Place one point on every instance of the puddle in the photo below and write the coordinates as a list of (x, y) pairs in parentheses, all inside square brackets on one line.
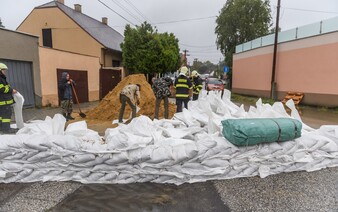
[(144, 197)]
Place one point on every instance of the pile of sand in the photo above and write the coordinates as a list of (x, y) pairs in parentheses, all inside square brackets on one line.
[(109, 107)]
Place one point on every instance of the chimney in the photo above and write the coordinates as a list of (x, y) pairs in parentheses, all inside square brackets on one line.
[(61, 1), (78, 8), (105, 20)]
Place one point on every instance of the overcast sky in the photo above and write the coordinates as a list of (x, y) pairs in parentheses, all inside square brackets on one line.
[(192, 21)]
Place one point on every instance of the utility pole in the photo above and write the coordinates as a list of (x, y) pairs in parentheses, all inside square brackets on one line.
[(185, 60), (273, 94)]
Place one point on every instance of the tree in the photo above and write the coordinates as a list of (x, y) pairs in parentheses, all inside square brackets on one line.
[(144, 50), (240, 21)]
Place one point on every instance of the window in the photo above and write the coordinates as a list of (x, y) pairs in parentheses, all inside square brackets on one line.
[(116, 63), (47, 37)]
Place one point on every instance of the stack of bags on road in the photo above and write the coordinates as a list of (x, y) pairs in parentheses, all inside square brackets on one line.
[(188, 148)]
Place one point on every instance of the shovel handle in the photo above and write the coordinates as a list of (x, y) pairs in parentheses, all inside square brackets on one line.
[(77, 100)]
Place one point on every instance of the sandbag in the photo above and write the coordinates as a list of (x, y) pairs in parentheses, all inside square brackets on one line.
[(246, 132)]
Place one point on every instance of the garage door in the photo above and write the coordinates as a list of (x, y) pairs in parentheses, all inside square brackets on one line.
[(20, 77)]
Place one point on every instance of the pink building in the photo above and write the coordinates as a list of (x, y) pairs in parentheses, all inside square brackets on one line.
[(307, 62)]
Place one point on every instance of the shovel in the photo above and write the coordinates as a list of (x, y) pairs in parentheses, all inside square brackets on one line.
[(78, 104)]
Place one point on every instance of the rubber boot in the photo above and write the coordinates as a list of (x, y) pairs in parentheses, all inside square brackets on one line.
[(10, 131), (69, 117)]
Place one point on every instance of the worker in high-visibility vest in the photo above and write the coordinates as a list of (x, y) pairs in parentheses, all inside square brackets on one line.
[(6, 100), (197, 84), (183, 88)]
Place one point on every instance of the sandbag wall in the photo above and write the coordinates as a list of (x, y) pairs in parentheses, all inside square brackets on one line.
[(190, 148)]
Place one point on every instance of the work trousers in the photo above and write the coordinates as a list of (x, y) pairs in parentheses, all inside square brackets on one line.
[(195, 96), (67, 106), (124, 99), (5, 117), (180, 102), (166, 107)]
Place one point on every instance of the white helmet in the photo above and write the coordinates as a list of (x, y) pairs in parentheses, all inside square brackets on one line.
[(184, 70), (3, 66), (194, 73)]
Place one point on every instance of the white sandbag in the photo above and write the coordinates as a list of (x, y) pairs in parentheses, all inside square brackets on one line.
[(82, 158), (136, 141), (117, 158), (330, 131), (109, 177), (215, 162), (9, 166), (142, 126), (184, 151), (78, 128), (160, 154), (186, 117), (12, 141), (38, 127), (140, 155), (19, 100), (66, 142), (19, 176), (181, 132)]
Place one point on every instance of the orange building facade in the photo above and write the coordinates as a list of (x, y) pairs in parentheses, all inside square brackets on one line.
[(308, 65)]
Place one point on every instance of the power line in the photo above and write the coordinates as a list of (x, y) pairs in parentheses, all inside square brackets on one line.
[(206, 51), (137, 10), (115, 12), (184, 20), (197, 46), (306, 10), (126, 10)]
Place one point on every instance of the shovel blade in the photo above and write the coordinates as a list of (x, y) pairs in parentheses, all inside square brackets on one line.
[(83, 115)]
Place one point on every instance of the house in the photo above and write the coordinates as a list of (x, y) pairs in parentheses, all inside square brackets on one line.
[(20, 52), (306, 62), (74, 42)]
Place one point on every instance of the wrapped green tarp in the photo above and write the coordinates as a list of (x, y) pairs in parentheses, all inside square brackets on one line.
[(246, 132)]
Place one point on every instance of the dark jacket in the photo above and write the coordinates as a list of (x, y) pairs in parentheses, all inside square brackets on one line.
[(6, 91), (197, 85), (161, 87), (182, 85), (65, 89)]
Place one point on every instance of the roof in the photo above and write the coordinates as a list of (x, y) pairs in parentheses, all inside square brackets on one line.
[(18, 32), (103, 33)]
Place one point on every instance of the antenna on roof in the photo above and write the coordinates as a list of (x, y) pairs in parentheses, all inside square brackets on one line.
[(1, 26)]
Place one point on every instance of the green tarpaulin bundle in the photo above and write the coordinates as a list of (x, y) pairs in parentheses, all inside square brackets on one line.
[(246, 132)]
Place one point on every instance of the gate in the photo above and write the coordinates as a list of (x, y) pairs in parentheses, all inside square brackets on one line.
[(109, 78), (20, 77)]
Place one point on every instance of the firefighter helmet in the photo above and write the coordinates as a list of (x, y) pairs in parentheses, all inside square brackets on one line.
[(3, 66), (184, 70), (194, 73)]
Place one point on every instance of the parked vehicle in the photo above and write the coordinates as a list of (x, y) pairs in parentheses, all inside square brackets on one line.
[(214, 84), (204, 76)]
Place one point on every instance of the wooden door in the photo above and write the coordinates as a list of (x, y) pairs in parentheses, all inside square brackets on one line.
[(109, 78), (81, 80)]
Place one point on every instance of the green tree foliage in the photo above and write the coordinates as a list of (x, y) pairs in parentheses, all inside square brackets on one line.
[(240, 21), (147, 51), (203, 67)]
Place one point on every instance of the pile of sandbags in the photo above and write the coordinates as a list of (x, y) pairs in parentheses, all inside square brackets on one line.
[(188, 148)]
